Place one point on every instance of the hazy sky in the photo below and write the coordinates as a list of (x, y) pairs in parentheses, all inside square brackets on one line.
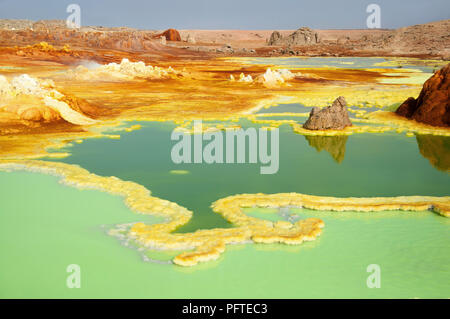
[(231, 14)]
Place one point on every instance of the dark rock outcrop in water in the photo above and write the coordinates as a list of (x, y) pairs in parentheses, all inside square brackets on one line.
[(433, 104), (334, 117), (335, 145)]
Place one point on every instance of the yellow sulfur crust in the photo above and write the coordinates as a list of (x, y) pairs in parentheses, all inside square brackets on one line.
[(403, 123), (209, 244)]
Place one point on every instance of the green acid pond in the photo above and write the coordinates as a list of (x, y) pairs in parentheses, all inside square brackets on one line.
[(45, 226)]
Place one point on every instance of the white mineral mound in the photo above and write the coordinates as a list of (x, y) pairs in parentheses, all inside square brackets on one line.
[(5, 87), (242, 78), (275, 78), (24, 85), (269, 79), (125, 70)]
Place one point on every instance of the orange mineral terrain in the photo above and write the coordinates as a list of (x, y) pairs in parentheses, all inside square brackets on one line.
[(58, 84)]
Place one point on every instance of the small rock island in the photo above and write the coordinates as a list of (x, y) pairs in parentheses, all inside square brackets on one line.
[(334, 117)]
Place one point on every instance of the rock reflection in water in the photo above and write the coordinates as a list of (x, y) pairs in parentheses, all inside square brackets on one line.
[(335, 145), (436, 149)]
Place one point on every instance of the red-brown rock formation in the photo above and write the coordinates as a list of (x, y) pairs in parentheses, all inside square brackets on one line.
[(170, 34), (433, 104)]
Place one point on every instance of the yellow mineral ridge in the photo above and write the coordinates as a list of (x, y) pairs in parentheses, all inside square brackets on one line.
[(209, 244), (404, 124)]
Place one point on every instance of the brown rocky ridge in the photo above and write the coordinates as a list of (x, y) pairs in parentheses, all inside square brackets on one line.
[(425, 40)]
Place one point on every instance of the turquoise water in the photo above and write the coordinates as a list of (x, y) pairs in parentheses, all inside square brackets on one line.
[(8, 67), (57, 225), (384, 164), (300, 108), (340, 62), (286, 108)]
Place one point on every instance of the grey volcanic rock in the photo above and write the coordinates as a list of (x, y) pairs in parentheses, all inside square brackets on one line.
[(334, 117), (302, 36), (274, 38)]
